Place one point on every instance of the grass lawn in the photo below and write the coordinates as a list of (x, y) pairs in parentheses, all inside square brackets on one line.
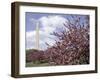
[(31, 64)]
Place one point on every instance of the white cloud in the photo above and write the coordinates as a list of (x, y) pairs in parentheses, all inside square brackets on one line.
[(30, 39), (49, 24)]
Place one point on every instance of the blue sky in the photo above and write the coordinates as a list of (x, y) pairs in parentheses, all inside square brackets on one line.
[(29, 15), (48, 23)]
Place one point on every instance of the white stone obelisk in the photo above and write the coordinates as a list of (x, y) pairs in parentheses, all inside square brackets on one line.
[(37, 35)]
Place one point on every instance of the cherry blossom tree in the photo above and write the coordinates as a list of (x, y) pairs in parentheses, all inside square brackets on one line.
[(72, 46)]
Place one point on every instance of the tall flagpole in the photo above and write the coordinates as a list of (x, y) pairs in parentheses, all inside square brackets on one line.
[(37, 35)]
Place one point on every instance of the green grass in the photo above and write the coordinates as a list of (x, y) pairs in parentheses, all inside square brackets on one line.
[(31, 51), (31, 64)]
